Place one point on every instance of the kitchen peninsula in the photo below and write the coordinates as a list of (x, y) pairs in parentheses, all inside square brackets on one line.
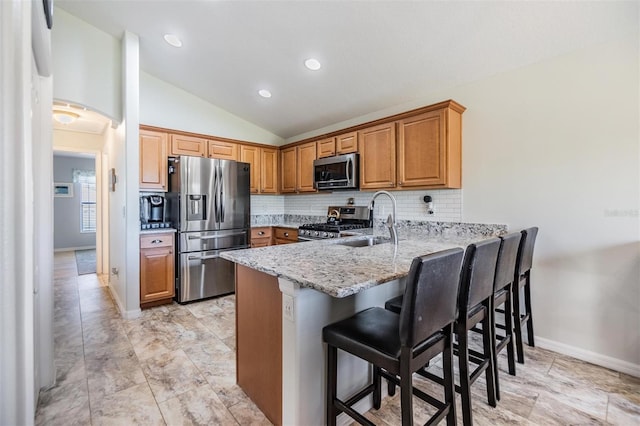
[(286, 294)]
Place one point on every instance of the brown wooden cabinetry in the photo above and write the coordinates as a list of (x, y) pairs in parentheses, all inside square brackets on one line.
[(347, 143), (326, 147), (378, 156), (261, 237), (285, 235), (264, 168), (188, 145), (222, 150), (153, 160), (430, 149), (304, 170), (288, 170), (157, 260)]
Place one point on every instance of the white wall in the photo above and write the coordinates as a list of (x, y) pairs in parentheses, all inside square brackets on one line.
[(64, 140), (556, 145), (86, 65), (164, 105), (25, 357)]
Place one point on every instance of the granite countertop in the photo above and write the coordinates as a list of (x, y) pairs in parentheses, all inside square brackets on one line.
[(340, 270)]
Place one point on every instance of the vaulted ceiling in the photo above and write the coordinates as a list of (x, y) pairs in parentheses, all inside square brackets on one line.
[(374, 54)]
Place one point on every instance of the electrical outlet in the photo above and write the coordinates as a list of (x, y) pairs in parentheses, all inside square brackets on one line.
[(287, 307)]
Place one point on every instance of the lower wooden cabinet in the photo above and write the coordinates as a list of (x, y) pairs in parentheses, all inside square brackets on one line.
[(285, 235), (157, 269), (261, 237)]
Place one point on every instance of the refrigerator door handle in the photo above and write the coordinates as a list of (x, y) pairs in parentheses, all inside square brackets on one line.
[(213, 237), (213, 256), (221, 192)]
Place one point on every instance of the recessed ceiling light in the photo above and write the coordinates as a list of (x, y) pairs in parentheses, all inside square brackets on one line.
[(65, 117), (264, 93), (312, 64), (173, 40)]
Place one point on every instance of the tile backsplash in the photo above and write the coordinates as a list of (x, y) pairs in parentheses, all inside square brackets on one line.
[(447, 204)]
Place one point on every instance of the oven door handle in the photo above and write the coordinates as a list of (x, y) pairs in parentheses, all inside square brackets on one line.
[(305, 239)]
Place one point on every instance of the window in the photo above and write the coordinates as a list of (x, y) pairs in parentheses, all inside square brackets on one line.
[(88, 211)]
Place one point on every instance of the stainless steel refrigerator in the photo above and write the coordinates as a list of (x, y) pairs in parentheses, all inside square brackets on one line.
[(209, 205)]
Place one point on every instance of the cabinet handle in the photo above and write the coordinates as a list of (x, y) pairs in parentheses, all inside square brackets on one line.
[(400, 183), (261, 233), (286, 234), (156, 241)]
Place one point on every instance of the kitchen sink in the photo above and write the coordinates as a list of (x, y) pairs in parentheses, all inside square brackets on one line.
[(370, 241)]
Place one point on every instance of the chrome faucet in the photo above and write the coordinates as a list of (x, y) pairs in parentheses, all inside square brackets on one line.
[(391, 220)]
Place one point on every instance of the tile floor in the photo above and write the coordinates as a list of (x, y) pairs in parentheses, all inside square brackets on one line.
[(175, 365)]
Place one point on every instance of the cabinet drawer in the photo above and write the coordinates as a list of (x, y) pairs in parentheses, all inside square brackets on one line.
[(264, 232), (156, 240), (286, 234)]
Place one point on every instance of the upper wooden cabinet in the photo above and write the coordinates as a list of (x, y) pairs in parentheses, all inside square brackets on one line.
[(326, 147), (296, 168), (427, 154), (188, 145), (378, 156), (288, 162), (222, 149), (153, 160), (347, 143), (429, 150), (264, 168), (268, 170), (304, 168)]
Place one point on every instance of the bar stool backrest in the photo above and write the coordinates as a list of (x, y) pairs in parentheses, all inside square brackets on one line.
[(429, 302), (525, 252), (478, 272), (507, 256)]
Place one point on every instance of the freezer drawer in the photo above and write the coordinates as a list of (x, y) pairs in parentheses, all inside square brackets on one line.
[(204, 274), (213, 240)]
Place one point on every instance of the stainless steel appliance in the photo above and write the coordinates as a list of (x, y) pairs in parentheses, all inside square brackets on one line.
[(209, 205), (338, 172), (340, 220)]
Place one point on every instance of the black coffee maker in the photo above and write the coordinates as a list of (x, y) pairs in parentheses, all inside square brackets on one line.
[(152, 208)]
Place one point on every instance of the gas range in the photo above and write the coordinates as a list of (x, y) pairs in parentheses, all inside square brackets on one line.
[(339, 221)]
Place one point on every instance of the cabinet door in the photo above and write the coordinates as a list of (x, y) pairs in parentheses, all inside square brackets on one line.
[(288, 170), (188, 145), (422, 150), (153, 160), (156, 274), (306, 156), (222, 150), (347, 143), (326, 148), (268, 171), (377, 156), (251, 155)]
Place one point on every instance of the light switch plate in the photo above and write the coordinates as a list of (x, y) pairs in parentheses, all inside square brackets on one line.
[(287, 307)]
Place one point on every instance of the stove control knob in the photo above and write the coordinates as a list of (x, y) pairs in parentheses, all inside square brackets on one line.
[(325, 235), (317, 234), (332, 235)]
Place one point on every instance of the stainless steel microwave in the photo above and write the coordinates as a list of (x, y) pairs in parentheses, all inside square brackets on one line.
[(338, 172)]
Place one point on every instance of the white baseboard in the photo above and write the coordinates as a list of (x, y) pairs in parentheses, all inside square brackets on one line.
[(74, 248), (588, 356), (133, 314)]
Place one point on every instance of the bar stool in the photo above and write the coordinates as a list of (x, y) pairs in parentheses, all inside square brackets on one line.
[(400, 344), (522, 280), (475, 305), (502, 295)]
